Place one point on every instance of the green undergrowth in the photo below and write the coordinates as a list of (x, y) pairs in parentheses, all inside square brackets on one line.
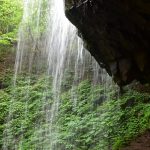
[(21, 109), (110, 125), (88, 118)]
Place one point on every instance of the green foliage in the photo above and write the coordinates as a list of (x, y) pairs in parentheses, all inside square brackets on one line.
[(82, 124), (10, 16), (107, 126), (21, 108), (135, 117), (88, 118), (4, 101)]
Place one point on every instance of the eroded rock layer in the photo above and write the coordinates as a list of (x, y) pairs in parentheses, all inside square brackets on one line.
[(117, 34)]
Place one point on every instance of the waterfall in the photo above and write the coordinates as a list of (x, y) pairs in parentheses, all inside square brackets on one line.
[(48, 43)]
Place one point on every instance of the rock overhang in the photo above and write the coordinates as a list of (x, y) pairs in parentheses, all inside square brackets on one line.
[(117, 35)]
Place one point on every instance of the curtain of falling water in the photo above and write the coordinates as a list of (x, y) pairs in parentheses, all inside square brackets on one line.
[(53, 51)]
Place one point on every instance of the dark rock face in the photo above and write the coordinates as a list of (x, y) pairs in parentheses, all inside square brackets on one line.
[(117, 34)]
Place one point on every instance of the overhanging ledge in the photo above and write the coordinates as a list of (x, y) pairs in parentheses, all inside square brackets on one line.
[(117, 34)]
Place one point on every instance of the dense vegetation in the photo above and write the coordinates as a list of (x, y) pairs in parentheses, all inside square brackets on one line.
[(10, 15), (90, 124), (91, 120)]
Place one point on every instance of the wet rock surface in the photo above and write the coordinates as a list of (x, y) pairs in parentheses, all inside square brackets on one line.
[(117, 34)]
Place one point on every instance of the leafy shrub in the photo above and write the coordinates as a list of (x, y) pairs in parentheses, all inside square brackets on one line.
[(81, 124)]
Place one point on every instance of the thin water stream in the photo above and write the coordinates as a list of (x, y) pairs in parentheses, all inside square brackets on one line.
[(48, 43)]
